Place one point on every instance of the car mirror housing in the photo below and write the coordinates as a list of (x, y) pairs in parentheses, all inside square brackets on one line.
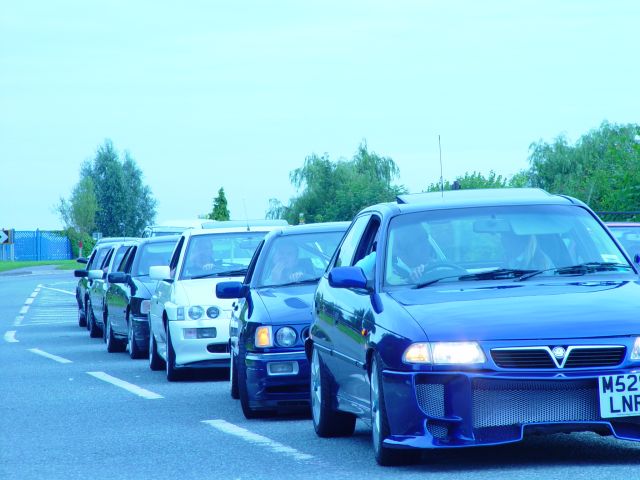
[(117, 277), (347, 277), (231, 290), (159, 272), (80, 273), (95, 274)]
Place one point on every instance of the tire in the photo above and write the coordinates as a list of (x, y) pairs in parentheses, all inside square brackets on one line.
[(134, 350), (380, 430), (113, 344), (82, 318), (170, 363), (156, 362), (327, 422), (233, 377), (94, 330), (243, 392)]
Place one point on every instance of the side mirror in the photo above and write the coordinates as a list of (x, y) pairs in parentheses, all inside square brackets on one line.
[(231, 290), (636, 258), (159, 272), (347, 277), (117, 277), (82, 260), (95, 274), (80, 273)]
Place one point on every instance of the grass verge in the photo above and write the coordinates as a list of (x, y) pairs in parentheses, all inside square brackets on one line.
[(60, 264)]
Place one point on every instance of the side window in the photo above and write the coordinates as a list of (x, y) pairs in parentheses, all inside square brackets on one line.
[(173, 264), (107, 259), (91, 258), (252, 264), (126, 260), (369, 240), (351, 242), (119, 255)]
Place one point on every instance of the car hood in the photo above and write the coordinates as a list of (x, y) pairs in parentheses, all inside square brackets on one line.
[(290, 305), (490, 311), (202, 291), (145, 285)]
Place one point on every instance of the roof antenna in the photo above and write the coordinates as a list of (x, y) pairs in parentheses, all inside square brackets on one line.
[(441, 177), (246, 217)]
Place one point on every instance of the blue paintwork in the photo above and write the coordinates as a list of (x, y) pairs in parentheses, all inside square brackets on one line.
[(276, 306), (351, 324)]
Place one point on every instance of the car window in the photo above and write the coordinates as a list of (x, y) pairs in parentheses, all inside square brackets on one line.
[(296, 258), (351, 241), (118, 255), (436, 244), (629, 237), (173, 264), (219, 254), (99, 258), (105, 261), (152, 254)]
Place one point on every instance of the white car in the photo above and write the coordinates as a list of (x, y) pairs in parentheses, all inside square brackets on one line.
[(189, 325)]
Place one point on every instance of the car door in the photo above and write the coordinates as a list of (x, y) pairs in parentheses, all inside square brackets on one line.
[(335, 310), (162, 295), (352, 324), (96, 294), (118, 294)]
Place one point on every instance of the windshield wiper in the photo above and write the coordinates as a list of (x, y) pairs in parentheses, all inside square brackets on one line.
[(580, 269), (497, 274), (228, 273), (288, 284)]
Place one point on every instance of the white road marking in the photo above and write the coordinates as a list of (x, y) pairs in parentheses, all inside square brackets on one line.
[(257, 439), (18, 321), (29, 300), (34, 294), (60, 290), (10, 336), (34, 324), (130, 387), (55, 358), (24, 310)]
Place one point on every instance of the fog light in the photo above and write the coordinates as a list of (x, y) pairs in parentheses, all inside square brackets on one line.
[(282, 368), (635, 351)]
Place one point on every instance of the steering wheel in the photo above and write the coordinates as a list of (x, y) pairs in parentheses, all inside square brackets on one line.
[(455, 269)]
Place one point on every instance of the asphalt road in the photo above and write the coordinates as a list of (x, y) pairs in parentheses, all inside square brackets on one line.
[(65, 414)]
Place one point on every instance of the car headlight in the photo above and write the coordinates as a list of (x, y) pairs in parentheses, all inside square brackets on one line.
[(213, 312), (445, 353), (286, 337), (635, 351), (145, 307), (263, 337), (196, 312)]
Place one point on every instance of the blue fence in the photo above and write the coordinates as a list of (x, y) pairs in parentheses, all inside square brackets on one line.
[(37, 245)]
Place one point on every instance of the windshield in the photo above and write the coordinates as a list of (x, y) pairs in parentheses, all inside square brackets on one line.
[(294, 259), (151, 254), (219, 254), (497, 243), (629, 237)]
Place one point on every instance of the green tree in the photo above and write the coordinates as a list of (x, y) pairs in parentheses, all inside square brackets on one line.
[(602, 168), (122, 204), (473, 180), (332, 191), (220, 210)]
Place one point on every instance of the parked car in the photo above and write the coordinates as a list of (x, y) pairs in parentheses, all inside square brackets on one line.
[(628, 234), (473, 318), (268, 369), (93, 262), (130, 290), (189, 325), (97, 313)]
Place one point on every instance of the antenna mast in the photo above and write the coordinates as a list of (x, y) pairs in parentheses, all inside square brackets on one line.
[(441, 177), (246, 217)]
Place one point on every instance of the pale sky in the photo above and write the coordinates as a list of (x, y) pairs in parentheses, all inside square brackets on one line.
[(209, 94)]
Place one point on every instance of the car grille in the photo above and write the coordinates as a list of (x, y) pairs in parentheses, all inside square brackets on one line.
[(499, 403), (431, 398), (577, 357)]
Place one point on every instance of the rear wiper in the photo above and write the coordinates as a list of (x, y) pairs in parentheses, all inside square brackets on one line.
[(497, 274), (580, 269)]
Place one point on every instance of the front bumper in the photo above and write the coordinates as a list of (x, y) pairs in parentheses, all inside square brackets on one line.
[(201, 352), (269, 389), (463, 409)]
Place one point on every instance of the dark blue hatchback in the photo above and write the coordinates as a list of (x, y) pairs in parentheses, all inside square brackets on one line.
[(269, 369), (473, 318)]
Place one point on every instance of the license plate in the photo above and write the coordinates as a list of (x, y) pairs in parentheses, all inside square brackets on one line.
[(619, 395)]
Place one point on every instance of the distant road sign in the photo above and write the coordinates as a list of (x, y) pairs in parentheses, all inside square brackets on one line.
[(5, 236)]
